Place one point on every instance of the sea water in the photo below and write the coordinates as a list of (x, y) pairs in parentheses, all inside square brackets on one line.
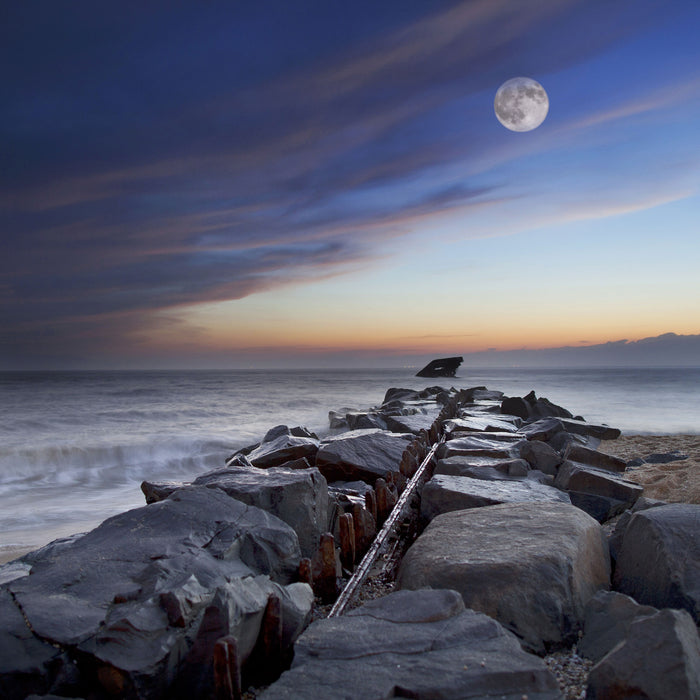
[(75, 446)]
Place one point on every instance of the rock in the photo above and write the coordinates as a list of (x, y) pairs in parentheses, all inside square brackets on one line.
[(607, 623), (337, 419), (580, 427), (544, 429), (573, 476), (358, 420), (593, 458), (531, 566), (412, 644), (410, 424), (659, 659), (159, 491), (395, 394), (658, 562), (126, 602), (615, 538), (541, 456), (476, 424), (281, 449), (516, 406), (24, 658), (299, 497), (496, 445), (665, 457), (361, 454), (481, 467), (443, 494), (601, 508)]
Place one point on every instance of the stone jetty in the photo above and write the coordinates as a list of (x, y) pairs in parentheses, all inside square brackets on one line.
[(521, 539)]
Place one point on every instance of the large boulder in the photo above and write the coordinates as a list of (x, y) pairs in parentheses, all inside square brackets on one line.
[(488, 468), (412, 644), (361, 454), (594, 458), (410, 424), (127, 602), (541, 456), (473, 423), (283, 448), (299, 497), (658, 562), (581, 427), (497, 445), (531, 566), (443, 494), (573, 476), (659, 659), (607, 623)]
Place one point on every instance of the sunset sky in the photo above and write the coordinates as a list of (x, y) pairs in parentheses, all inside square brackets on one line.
[(276, 183)]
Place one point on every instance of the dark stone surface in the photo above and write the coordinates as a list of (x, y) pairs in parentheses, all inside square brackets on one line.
[(443, 494), (541, 456), (361, 454), (593, 458), (281, 449), (581, 427), (531, 566), (573, 476), (412, 644), (660, 658), (658, 562)]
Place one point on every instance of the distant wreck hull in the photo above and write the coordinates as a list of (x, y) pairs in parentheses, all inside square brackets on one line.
[(444, 367)]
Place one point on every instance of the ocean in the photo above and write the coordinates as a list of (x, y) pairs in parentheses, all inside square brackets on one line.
[(75, 446)]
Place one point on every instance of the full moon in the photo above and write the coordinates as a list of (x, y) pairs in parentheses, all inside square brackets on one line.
[(521, 104)]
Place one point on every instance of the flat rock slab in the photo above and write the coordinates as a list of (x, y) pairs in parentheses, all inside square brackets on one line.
[(361, 454), (478, 424), (573, 476), (658, 562), (531, 566), (593, 458), (283, 448), (412, 644), (498, 445), (411, 424), (299, 497), (444, 493), (488, 468), (581, 427)]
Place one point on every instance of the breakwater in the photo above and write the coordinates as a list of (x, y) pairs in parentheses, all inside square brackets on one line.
[(499, 558)]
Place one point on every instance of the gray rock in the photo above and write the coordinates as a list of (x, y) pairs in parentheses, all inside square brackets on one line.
[(497, 445), (126, 601), (516, 406), (607, 623), (361, 454), (581, 427), (665, 457), (159, 491), (417, 644), (593, 458), (281, 449), (617, 535), (484, 468), (443, 494), (358, 420), (395, 394), (541, 456), (531, 566), (478, 424), (410, 424), (299, 497), (658, 562), (659, 660), (337, 419), (601, 508), (544, 429), (573, 476)]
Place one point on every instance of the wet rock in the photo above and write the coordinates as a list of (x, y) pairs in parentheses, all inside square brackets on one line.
[(593, 458), (607, 623), (281, 449), (299, 497), (516, 406), (337, 419), (419, 644), (544, 429), (541, 456), (411, 424), (159, 491), (658, 562), (361, 454), (126, 601), (358, 420), (599, 507), (531, 566), (477, 424), (396, 394), (581, 427), (660, 658), (443, 494), (496, 445), (488, 468), (573, 476)]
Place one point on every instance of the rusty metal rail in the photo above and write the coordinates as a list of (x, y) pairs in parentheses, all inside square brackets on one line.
[(383, 536)]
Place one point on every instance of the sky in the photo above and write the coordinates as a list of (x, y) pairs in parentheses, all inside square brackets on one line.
[(324, 183)]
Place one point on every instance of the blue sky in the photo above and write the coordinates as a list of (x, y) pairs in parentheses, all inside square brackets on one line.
[(270, 183)]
